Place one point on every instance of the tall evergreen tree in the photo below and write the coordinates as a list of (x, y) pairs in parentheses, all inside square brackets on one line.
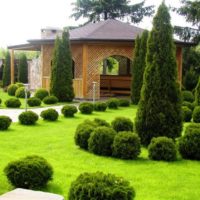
[(61, 73), (23, 69), (138, 67), (159, 111), (197, 93), (6, 70)]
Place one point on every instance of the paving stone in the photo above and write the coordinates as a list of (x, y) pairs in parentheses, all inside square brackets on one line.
[(23, 194)]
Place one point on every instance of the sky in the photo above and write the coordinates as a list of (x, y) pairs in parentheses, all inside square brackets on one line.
[(22, 19)]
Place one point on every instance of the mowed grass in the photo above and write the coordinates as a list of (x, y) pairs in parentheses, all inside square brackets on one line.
[(54, 141)]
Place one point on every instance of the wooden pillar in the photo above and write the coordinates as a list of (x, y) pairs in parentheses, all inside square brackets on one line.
[(12, 66), (179, 63), (85, 65)]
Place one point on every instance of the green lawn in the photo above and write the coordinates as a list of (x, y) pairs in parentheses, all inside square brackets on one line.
[(55, 141)]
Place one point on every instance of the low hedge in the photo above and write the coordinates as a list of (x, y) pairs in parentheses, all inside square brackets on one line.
[(122, 124), (49, 114), (50, 100), (69, 110), (100, 186), (5, 122), (31, 172), (13, 103), (28, 118), (86, 108), (34, 101)]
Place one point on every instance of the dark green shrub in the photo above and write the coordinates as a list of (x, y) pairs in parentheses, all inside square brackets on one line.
[(82, 134), (0, 101), (86, 108), (6, 70), (101, 140), (69, 110), (23, 68), (113, 103), (50, 100), (187, 114), (13, 103), (126, 145), (196, 114), (20, 93), (189, 105), (100, 106), (189, 144), (124, 103), (99, 186), (122, 124), (28, 118), (12, 89), (34, 101), (187, 96), (49, 114), (31, 172), (191, 127), (18, 84), (5, 122), (41, 93), (101, 122), (162, 148)]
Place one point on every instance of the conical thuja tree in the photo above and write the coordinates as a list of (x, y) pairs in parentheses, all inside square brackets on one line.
[(61, 73), (23, 69), (138, 67), (197, 93), (159, 111), (6, 70)]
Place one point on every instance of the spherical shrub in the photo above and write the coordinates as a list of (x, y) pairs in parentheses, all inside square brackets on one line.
[(50, 100), (187, 114), (196, 114), (100, 186), (189, 144), (124, 103), (69, 110), (162, 148), (28, 118), (13, 103), (18, 84), (101, 122), (31, 172), (100, 106), (101, 140), (189, 105), (126, 145), (12, 89), (5, 122), (82, 134), (86, 108), (41, 93), (20, 93), (187, 96), (122, 124), (34, 101), (113, 103), (49, 114)]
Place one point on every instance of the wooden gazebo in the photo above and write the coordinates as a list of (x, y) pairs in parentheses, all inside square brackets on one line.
[(91, 44)]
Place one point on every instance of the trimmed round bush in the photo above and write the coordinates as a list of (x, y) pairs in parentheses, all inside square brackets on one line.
[(31, 172), (122, 124), (162, 148), (12, 89), (18, 84), (113, 103), (100, 186), (41, 93), (5, 122), (82, 134), (13, 103), (20, 93), (196, 114), (49, 114), (189, 144), (50, 100), (69, 110), (126, 145), (28, 118), (124, 103), (187, 96), (100, 106), (34, 101), (189, 105), (101, 140), (101, 122), (86, 108), (187, 114)]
